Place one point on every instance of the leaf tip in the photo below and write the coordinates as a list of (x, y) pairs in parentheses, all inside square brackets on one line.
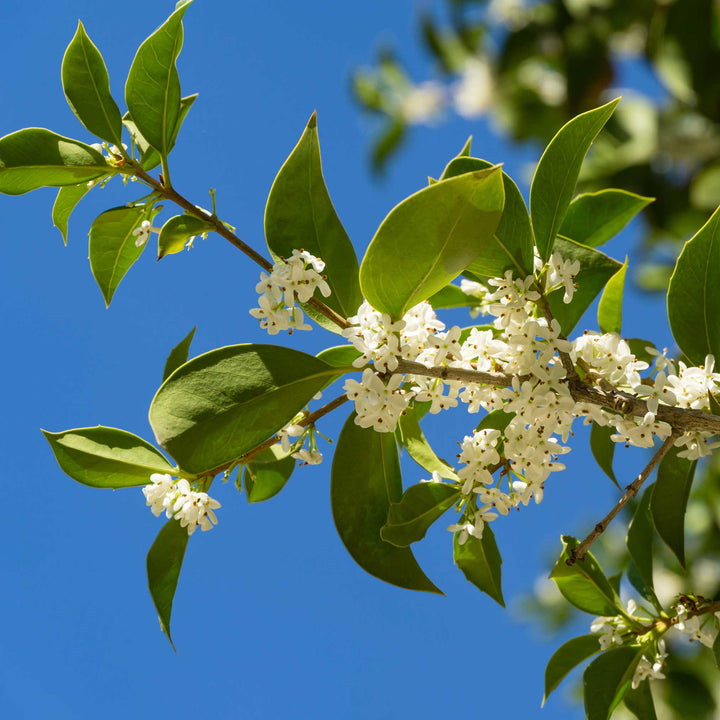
[(312, 122)]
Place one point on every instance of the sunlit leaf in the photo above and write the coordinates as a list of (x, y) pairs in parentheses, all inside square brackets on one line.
[(178, 355), (610, 306), (67, 199), (418, 447), (177, 231)]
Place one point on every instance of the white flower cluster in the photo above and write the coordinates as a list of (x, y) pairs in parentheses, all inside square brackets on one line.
[(650, 670), (291, 280), (307, 456), (178, 500)]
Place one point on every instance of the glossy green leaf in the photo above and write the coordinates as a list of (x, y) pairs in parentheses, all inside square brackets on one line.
[(610, 306), (67, 199), (495, 420), (694, 294), (640, 702), (339, 355), (263, 480), (152, 90), (596, 269), (607, 679), (594, 218), (640, 538), (451, 296), (418, 447), (603, 449), (300, 215), (419, 507), (164, 562), (583, 584), (365, 479), (557, 172), (481, 563), (669, 501), (176, 232), (430, 238), (87, 88), (112, 246), (511, 247), (222, 404), (35, 158), (178, 355), (106, 457), (566, 658)]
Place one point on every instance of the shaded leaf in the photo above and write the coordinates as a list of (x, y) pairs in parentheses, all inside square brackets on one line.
[(603, 449), (413, 439), (429, 239), (67, 199), (178, 355), (607, 679), (265, 479), (105, 457), (640, 702), (365, 479), (566, 658), (640, 538), (222, 404), (557, 172), (481, 563)]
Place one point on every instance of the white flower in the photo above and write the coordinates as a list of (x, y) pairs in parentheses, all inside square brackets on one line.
[(474, 92), (194, 509), (421, 104), (650, 670), (155, 494), (142, 233), (561, 273), (308, 457)]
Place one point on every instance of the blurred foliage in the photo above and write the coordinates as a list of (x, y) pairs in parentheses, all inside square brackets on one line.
[(531, 67)]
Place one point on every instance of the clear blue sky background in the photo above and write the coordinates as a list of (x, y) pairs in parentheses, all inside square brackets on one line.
[(272, 618)]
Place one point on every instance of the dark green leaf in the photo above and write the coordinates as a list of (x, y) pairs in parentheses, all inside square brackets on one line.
[(512, 244), (418, 447), (594, 218), (106, 457), (430, 238), (640, 538), (339, 355), (607, 679), (264, 480), (669, 501), (87, 89), (112, 246), (178, 355), (176, 232), (300, 216), (633, 575), (603, 449), (596, 269), (35, 158), (689, 695), (164, 562), (386, 144), (481, 563), (566, 658), (610, 306), (640, 702), (694, 294), (716, 650), (365, 479), (583, 584), (67, 198), (638, 349), (557, 173), (419, 507), (495, 420), (152, 90), (222, 404)]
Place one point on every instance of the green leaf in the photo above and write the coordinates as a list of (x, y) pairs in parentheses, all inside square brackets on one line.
[(65, 202), (386, 144), (603, 449), (557, 173), (106, 457), (512, 244), (669, 501), (34, 157), (640, 539), (495, 420), (164, 562), (176, 232), (419, 507), (633, 575), (640, 702), (610, 307), (178, 355), (594, 218), (481, 563), (300, 216), (607, 679), (87, 89), (566, 658), (716, 650), (430, 238), (365, 479), (152, 90), (339, 355), (263, 480), (451, 296), (112, 246), (694, 294), (583, 584), (222, 404), (596, 269), (412, 438), (638, 349)]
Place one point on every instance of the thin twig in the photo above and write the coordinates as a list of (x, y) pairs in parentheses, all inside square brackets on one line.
[(578, 553)]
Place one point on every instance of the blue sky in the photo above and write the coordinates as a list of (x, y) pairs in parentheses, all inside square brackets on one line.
[(272, 617)]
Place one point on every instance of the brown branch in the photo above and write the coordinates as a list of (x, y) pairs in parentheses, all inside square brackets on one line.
[(578, 553), (461, 374)]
